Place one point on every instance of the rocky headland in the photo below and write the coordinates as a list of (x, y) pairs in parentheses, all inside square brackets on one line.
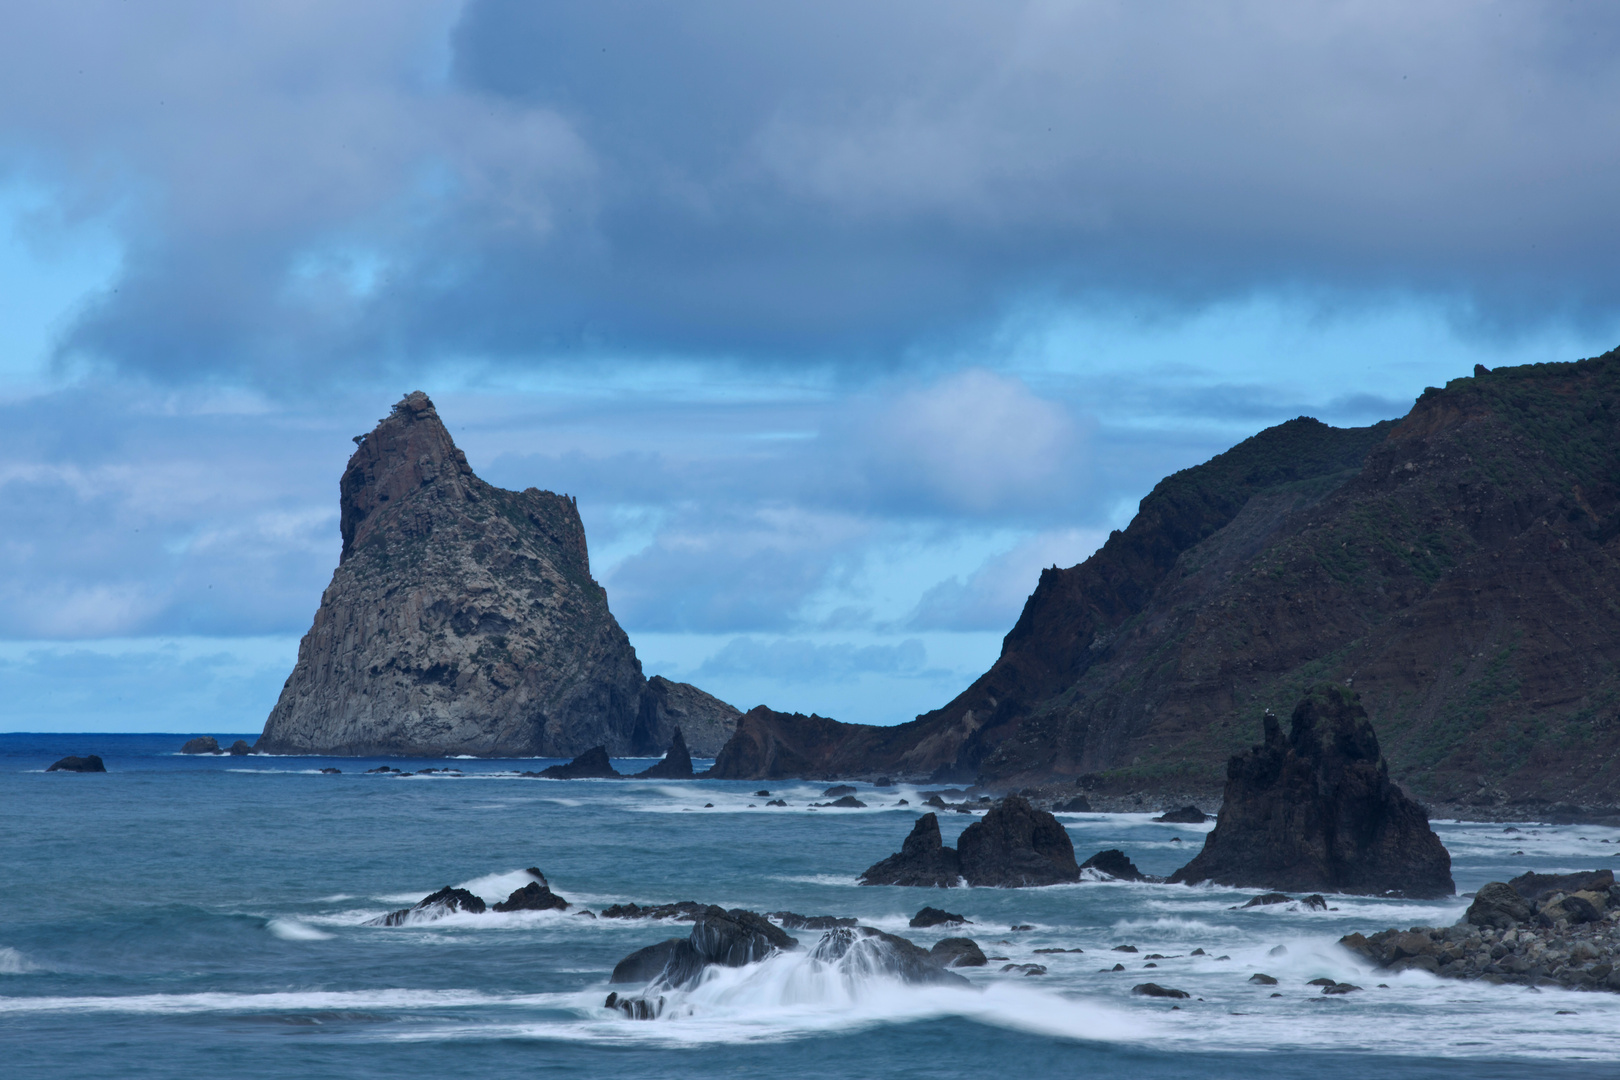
[(1315, 810), (463, 619)]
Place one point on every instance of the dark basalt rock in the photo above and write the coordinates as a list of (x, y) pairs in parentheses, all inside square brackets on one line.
[(535, 896), (1077, 805), (1016, 845), (777, 802), (837, 790), (793, 921), (1315, 902), (434, 906), (202, 744), (933, 916), (677, 763), (1114, 863), (88, 763), (924, 860), (1540, 886), (888, 953), (240, 748), (1498, 905), (682, 911), (1316, 810), (329, 771), (1268, 899), (1187, 815), (1265, 980), (1027, 969), (727, 938), (1155, 990), (958, 952), (846, 802), (593, 764)]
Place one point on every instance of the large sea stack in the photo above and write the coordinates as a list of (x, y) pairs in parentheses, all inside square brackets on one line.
[(1315, 811), (463, 619)]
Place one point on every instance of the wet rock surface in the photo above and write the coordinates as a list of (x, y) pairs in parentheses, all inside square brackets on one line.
[(958, 952), (1187, 815), (676, 764), (933, 916), (1113, 863), (89, 763), (1507, 938), (1316, 810), (1016, 845), (923, 860), (202, 744), (535, 896), (434, 906), (792, 921), (682, 911)]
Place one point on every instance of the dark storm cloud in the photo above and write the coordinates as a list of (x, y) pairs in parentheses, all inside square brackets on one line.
[(301, 193)]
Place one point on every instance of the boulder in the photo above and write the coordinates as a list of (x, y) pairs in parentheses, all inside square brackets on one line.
[(719, 937), (1316, 810), (1539, 887), (793, 921), (1498, 906), (677, 763), (1077, 805), (837, 790), (869, 950), (1113, 863), (933, 916), (957, 952), (923, 860), (434, 906), (1187, 815), (535, 896), (1263, 979), (593, 764), (88, 763), (1267, 899), (1155, 990), (202, 744), (1016, 845), (240, 748)]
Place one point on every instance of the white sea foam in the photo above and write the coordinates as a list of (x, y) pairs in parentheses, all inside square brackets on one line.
[(13, 962), (313, 1000), (493, 888), (295, 930)]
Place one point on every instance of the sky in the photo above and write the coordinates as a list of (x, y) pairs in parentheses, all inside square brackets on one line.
[(841, 321)]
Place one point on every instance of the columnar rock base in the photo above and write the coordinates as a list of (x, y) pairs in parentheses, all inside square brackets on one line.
[(1537, 930)]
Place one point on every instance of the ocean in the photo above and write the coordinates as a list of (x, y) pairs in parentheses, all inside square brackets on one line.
[(206, 917)]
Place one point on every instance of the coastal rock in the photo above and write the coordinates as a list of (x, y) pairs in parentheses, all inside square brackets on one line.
[(1016, 845), (923, 860), (838, 791), (681, 911), (87, 764), (1155, 990), (958, 952), (434, 906), (1316, 810), (593, 764), (463, 619), (933, 916), (676, 765), (535, 896), (1268, 899), (1498, 905), (792, 921), (1187, 815), (843, 802), (726, 938), (240, 748), (1077, 805), (1113, 863), (1537, 887), (704, 721), (202, 744), (865, 949)]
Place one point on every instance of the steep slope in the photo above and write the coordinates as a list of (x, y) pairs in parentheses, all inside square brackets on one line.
[(1459, 567), (463, 619)]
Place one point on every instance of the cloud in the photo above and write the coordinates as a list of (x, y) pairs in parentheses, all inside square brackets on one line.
[(797, 660), (992, 596), (304, 193)]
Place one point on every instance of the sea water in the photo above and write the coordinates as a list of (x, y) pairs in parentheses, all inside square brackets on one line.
[(207, 917)]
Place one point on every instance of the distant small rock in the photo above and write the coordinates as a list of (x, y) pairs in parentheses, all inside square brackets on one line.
[(434, 906), (593, 764), (932, 916), (1268, 899), (684, 911), (846, 802), (88, 763), (1315, 902), (1187, 815), (1263, 979), (883, 781), (329, 771), (1155, 990), (776, 802), (1077, 805), (1340, 988), (793, 921), (1114, 863), (763, 794), (240, 748), (837, 790), (1027, 969), (535, 896), (202, 744), (676, 764)]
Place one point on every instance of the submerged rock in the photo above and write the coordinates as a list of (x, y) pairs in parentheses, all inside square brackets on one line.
[(1187, 815), (593, 764), (958, 952), (88, 763), (202, 744), (676, 765), (1317, 810), (933, 916), (923, 860), (1155, 990), (681, 911), (434, 906), (1113, 863), (1016, 845)]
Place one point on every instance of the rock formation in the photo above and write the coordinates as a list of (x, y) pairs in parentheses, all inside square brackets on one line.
[(923, 860), (704, 721), (676, 765), (593, 764), (1114, 863), (202, 744), (463, 619), (434, 906), (958, 952), (88, 763), (1316, 810)]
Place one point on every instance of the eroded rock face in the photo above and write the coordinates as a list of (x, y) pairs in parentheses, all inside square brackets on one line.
[(703, 720), (434, 906), (1016, 845), (463, 619), (923, 860), (1316, 810), (676, 765), (727, 938)]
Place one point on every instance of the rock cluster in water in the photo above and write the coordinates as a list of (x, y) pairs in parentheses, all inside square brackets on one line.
[(536, 895), (1536, 930), (1012, 846), (1316, 810)]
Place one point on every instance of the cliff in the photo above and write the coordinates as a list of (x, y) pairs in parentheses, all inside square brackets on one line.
[(463, 619), (1459, 566)]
